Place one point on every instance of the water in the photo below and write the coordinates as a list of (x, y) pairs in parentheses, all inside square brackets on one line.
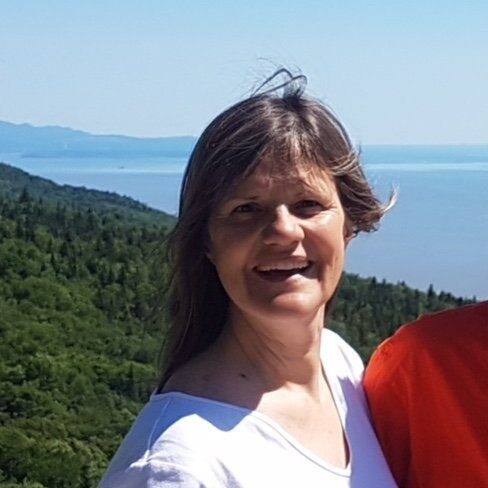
[(436, 234)]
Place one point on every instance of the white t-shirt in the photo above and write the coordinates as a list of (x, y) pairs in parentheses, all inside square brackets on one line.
[(184, 441)]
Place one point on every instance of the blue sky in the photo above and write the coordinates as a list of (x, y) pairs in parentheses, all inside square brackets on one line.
[(394, 71)]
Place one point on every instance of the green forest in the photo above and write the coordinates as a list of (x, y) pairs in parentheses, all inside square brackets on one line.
[(81, 278)]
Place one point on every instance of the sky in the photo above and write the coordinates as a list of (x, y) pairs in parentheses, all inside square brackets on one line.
[(395, 72)]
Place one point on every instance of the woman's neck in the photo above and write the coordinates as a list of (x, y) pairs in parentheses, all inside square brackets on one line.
[(281, 354)]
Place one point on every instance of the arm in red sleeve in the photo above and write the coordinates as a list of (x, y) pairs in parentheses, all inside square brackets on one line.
[(387, 394)]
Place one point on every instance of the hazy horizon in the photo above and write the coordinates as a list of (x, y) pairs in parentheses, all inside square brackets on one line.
[(195, 136)]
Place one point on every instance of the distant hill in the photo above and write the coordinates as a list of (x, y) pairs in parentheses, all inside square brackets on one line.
[(60, 142), (14, 182)]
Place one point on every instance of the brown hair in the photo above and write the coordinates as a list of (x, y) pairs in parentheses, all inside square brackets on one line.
[(288, 126)]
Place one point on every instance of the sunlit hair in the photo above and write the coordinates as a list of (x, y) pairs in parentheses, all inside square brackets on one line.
[(279, 122)]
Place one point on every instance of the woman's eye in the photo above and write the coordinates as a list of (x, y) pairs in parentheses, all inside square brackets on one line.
[(308, 206), (246, 208)]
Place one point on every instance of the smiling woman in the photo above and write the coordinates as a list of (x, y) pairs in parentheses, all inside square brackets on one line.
[(254, 391), (277, 243)]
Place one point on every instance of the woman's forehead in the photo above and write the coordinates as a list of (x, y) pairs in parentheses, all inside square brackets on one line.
[(303, 174)]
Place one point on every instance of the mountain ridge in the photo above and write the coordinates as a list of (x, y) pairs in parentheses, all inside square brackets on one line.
[(57, 142)]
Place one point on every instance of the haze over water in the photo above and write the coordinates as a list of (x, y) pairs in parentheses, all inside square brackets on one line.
[(436, 234)]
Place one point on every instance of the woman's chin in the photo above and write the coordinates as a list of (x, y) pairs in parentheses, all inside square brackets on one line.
[(298, 306)]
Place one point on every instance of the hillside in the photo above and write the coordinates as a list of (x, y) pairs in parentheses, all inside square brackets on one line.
[(77, 355), (61, 142), (14, 182), (81, 327)]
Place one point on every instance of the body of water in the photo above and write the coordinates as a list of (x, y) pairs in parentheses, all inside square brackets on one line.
[(436, 234)]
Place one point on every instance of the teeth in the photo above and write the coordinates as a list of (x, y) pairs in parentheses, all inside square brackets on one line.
[(284, 266)]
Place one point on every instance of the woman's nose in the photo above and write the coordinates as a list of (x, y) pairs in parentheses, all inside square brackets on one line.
[(282, 227)]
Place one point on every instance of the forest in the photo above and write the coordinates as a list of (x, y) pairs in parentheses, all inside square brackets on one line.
[(81, 280)]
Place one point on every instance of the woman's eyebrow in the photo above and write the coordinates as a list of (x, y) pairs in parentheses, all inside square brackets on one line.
[(312, 191), (242, 196)]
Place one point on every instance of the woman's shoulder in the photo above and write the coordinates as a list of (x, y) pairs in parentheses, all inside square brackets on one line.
[(182, 419), (154, 474), (170, 439), (201, 376)]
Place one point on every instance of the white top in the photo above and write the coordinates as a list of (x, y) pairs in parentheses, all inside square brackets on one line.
[(184, 441)]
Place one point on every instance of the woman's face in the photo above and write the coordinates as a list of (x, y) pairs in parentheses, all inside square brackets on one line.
[(278, 243)]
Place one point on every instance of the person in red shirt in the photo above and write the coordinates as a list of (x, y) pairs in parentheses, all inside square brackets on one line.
[(427, 387)]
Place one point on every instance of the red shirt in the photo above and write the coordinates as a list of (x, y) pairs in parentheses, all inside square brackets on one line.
[(428, 391)]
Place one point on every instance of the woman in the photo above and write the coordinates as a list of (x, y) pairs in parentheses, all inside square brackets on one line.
[(255, 393)]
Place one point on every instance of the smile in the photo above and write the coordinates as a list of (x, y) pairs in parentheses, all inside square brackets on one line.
[(283, 269)]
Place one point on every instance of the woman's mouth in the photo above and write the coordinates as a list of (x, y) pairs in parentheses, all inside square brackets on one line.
[(282, 270)]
